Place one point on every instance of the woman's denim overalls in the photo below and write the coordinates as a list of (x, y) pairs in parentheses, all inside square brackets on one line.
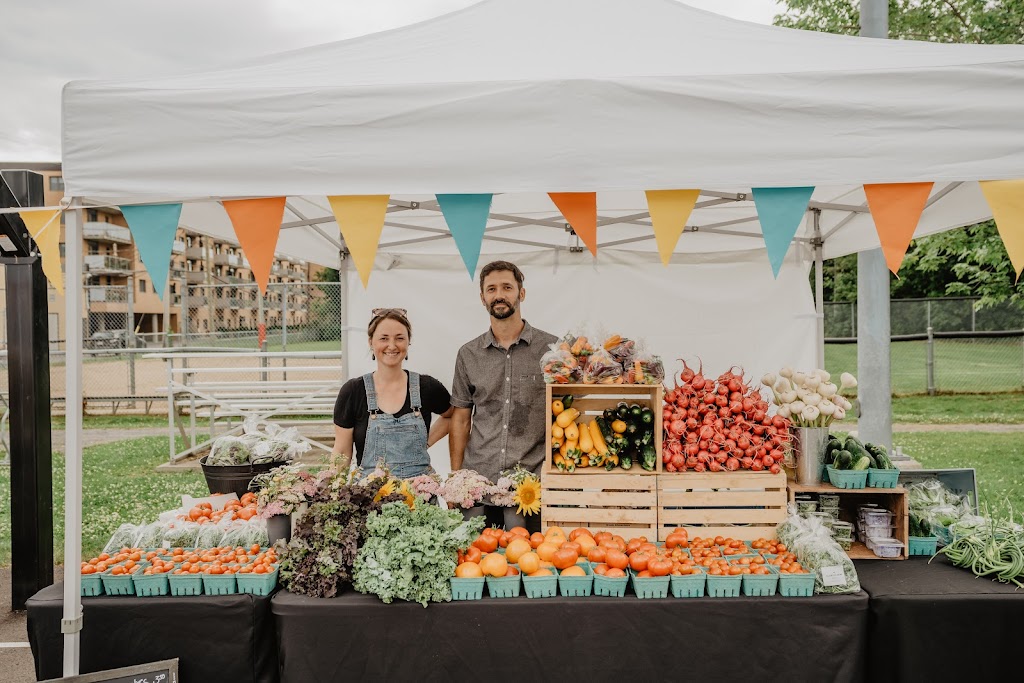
[(400, 443)]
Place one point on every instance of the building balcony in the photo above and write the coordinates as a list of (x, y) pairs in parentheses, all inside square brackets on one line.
[(117, 295), (178, 247), (196, 301), (96, 264), (194, 253), (106, 232), (195, 277)]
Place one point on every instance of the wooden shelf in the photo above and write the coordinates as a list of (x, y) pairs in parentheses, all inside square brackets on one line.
[(795, 488), (859, 551), (894, 500)]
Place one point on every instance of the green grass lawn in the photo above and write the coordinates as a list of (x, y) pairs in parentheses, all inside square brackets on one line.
[(983, 366), (998, 460), (118, 486), (959, 409)]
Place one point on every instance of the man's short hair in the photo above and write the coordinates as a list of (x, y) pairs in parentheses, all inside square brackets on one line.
[(495, 266)]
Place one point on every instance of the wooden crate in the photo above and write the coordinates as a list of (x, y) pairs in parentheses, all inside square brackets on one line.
[(741, 505), (894, 500), (592, 400), (625, 504)]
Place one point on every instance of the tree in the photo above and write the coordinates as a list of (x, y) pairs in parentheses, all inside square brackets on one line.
[(325, 307), (969, 261)]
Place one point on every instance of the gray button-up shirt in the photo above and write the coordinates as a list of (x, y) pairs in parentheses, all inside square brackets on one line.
[(505, 387)]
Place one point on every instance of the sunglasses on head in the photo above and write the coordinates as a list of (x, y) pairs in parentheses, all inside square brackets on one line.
[(378, 312)]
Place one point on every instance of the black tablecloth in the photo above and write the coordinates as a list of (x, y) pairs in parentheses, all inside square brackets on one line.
[(936, 622), (215, 637), (356, 637)]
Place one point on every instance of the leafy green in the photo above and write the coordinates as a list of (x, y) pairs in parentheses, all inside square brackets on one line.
[(410, 554)]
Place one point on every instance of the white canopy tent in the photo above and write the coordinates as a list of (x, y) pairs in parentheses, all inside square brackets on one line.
[(523, 97)]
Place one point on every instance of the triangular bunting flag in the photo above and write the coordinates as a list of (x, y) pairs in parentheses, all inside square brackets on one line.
[(1006, 199), (580, 210), (153, 227), (670, 209), (780, 210), (361, 220), (466, 215), (44, 227), (896, 208), (257, 224)]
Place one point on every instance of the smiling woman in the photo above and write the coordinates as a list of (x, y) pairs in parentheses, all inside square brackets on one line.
[(386, 414)]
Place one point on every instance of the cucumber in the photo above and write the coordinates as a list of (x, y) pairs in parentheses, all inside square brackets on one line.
[(844, 460), (862, 463)]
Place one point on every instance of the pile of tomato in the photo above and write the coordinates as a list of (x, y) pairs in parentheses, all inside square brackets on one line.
[(124, 561), (221, 560), (244, 509)]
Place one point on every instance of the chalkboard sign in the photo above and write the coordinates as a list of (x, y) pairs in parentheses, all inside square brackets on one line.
[(165, 671)]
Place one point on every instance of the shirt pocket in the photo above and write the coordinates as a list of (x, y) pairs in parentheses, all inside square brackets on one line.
[(530, 388)]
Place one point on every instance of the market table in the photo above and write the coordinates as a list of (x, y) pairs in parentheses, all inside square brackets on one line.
[(936, 622), (215, 637), (354, 636)]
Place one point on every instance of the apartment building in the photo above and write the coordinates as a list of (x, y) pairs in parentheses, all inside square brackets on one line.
[(210, 286)]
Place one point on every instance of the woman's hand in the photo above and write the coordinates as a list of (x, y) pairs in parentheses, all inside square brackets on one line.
[(440, 427), (341, 455)]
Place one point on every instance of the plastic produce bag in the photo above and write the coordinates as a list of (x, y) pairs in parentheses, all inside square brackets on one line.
[(280, 448), (644, 368), (229, 450), (819, 552), (602, 369), (209, 536), (123, 537), (246, 533), (560, 366), (181, 534), (149, 536), (621, 348)]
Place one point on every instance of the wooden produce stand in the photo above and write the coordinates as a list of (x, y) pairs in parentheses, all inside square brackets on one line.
[(623, 501), (742, 505), (894, 500)]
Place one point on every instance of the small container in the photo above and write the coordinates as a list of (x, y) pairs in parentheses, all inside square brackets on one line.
[(121, 584), (796, 585), (688, 586), (828, 500), (540, 586), (879, 531), (577, 586), (923, 545), (219, 584), (872, 517), (610, 587), (845, 543), (806, 506), (257, 584), (848, 479), (150, 585), (760, 584), (185, 584), (724, 586), (467, 589), (650, 587), (887, 547), (92, 585), (825, 518), (882, 479), (504, 587), (842, 530)]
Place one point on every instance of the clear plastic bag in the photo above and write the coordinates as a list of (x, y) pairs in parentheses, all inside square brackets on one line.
[(579, 344), (209, 536), (560, 366), (229, 450), (621, 348), (602, 369), (123, 537), (181, 534), (819, 552), (246, 534), (644, 368), (281, 446), (149, 536)]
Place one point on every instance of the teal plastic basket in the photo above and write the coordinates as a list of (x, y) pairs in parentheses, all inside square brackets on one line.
[(847, 479), (689, 586), (219, 584), (796, 585), (148, 586), (882, 479), (759, 585), (122, 584), (504, 587), (577, 586), (92, 585), (467, 589), (921, 545), (610, 587), (540, 586), (257, 584), (185, 584), (652, 587), (724, 586)]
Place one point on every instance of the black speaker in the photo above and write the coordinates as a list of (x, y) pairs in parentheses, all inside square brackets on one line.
[(18, 189)]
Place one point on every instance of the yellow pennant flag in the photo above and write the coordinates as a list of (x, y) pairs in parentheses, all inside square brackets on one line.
[(361, 219), (44, 227), (670, 209), (1006, 199)]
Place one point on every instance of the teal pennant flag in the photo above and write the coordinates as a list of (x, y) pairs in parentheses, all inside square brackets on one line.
[(153, 227), (780, 210), (466, 215)]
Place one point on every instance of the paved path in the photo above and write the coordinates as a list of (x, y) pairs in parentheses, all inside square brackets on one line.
[(94, 437), (16, 662)]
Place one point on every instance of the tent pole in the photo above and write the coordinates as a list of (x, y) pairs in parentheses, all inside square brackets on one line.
[(343, 302), (71, 624), (874, 392), (819, 288)]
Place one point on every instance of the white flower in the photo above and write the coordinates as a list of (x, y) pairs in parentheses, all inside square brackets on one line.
[(827, 389), (797, 407), (784, 411), (827, 407), (813, 399), (839, 414), (810, 413), (812, 382), (800, 379), (847, 381), (823, 375), (769, 379), (786, 372)]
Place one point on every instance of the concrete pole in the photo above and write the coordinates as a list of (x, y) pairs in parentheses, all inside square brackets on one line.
[(874, 390)]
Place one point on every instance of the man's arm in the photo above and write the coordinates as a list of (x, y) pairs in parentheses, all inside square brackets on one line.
[(458, 436)]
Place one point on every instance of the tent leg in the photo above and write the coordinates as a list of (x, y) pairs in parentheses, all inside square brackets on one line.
[(819, 289), (343, 262), (71, 624)]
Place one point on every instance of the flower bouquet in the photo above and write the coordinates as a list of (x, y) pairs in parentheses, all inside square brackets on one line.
[(517, 488), (810, 399)]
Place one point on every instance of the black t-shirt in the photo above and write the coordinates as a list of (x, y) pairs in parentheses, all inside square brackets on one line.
[(352, 412)]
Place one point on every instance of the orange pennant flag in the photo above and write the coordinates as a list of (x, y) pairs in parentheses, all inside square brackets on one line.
[(580, 210), (257, 224), (1006, 199), (896, 209)]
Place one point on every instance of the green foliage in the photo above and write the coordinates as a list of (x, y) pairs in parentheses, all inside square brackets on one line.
[(410, 554), (325, 321), (970, 261)]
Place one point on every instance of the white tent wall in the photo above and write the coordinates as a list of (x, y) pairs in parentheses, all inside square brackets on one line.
[(726, 310)]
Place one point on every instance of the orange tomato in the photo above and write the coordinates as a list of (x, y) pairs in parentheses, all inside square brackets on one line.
[(511, 571), (519, 531), (601, 569), (536, 538), (615, 573), (504, 539), (638, 561), (574, 570), (658, 567), (486, 542), (643, 575), (88, 569), (494, 564), (579, 531), (529, 562), (565, 558), (468, 570), (597, 554), (617, 559), (517, 547), (547, 550)]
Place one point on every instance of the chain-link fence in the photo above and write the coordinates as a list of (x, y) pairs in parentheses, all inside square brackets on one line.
[(915, 316)]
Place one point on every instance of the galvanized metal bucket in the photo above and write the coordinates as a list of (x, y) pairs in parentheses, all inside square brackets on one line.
[(809, 451)]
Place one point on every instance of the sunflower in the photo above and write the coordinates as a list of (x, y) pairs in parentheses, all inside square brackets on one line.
[(527, 496), (410, 497), (386, 490)]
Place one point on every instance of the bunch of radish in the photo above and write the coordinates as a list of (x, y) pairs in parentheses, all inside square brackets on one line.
[(715, 425)]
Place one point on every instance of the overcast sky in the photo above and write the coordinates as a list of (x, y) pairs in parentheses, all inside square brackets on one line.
[(46, 43)]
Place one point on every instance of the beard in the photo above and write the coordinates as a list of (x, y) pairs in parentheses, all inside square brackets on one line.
[(508, 311)]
